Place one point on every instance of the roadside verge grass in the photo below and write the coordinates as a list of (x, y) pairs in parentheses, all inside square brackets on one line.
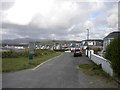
[(15, 64), (94, 70)]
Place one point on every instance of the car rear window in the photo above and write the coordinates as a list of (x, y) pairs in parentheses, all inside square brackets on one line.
[(77, 50)]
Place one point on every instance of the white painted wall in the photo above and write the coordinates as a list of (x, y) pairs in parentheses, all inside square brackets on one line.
[(106, 64)]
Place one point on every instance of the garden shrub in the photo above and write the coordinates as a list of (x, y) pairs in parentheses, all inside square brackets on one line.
[(113, 54)]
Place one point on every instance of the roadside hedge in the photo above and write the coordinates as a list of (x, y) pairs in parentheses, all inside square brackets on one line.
[(9, 54), (60, 50), (113, 54), (25, 53)]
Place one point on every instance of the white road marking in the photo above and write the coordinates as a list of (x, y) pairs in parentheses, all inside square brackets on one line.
[(45, 62)]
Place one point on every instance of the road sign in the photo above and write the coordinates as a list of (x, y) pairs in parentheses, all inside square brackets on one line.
[(31, 50), (31, 45)]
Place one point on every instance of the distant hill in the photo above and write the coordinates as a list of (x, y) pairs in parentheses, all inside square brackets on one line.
[(41, 41), (22, 40)]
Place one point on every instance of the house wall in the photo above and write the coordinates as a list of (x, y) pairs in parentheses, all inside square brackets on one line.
[(85, 44), (106, 42)]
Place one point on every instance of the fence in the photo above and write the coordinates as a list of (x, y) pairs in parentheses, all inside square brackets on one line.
[(105, 64)]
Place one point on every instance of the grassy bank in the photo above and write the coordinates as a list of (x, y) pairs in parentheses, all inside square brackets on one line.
[(15, 64), (94, 70)]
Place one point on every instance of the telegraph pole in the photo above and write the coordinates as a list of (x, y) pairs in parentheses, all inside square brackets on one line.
[(87, 41), (87, 34)]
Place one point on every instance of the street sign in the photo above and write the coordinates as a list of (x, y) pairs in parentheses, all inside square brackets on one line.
[(31, 45), (31, 50)]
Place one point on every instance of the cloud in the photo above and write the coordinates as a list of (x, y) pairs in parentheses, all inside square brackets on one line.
[(112, 20), (62, 15), (59, 19), (6, 4)]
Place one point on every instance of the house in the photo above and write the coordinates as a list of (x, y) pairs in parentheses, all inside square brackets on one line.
[(91, 43), (74, 45), (57, 46), (109, 38)]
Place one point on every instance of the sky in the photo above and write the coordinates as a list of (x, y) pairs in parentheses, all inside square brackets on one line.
[(58, 19)]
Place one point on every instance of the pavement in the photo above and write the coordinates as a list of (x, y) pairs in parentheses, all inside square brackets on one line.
[(59, 72)]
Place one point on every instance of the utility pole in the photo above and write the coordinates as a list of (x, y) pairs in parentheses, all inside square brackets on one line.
[(87, 34), (87, 41)]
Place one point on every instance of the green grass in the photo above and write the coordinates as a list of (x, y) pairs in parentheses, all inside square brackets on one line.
[(15, 64), (94, 70)]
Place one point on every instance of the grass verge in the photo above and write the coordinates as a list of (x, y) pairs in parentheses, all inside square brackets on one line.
[(94, 70), (15, 64)]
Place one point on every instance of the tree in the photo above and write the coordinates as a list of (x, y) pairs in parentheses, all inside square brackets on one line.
[(113, 54)]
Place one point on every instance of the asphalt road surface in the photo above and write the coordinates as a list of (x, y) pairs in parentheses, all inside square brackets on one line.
[(59, 72)]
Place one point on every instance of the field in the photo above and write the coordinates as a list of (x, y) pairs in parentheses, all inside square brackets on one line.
[(20, 63)]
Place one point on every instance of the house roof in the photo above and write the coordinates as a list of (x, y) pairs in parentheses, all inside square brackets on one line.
[(100, 40), (98, 43), (113, 34)]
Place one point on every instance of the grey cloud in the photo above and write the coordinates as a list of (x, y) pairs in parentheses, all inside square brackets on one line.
[(6, 4), (17, 31), (31, 31), (119, 20), (57, 24)]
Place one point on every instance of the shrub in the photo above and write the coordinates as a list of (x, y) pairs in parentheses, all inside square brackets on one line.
[(25, 53), (10, 54), (112, 54), (59, 50), (96, 49)]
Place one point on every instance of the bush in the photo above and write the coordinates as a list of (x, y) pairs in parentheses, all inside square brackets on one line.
[(96, 49), (113, 54), (10, 54), (59, 50), (25, 53)]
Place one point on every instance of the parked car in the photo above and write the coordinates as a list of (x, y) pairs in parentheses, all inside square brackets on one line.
[(77, 52), (72, 51)]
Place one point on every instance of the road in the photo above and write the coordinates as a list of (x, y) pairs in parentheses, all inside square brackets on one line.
[(59, 72)]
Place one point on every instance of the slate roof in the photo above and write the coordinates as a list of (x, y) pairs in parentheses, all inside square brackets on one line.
[(98, 43), (113, 35)]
